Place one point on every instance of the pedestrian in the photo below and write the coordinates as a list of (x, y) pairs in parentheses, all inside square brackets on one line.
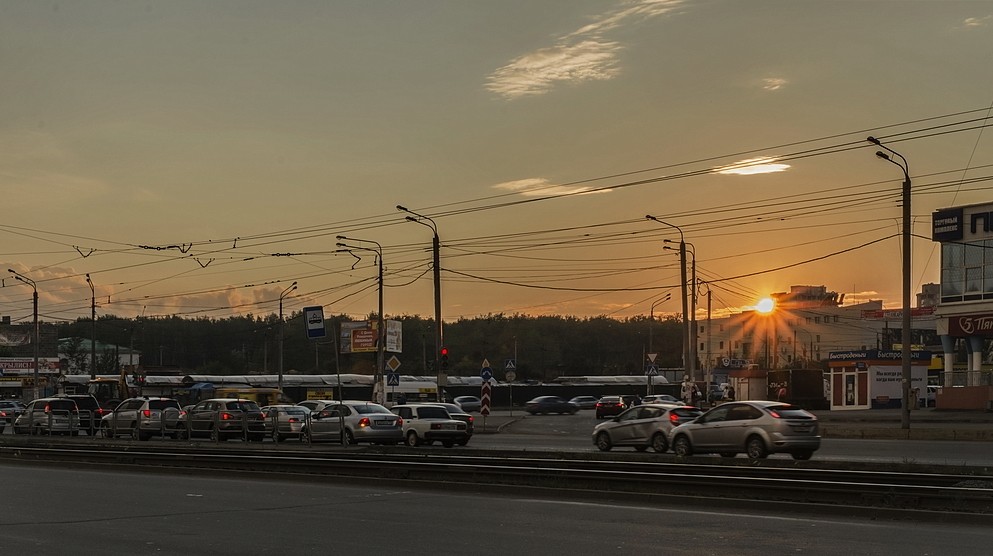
[(686, 390), (730, 393)]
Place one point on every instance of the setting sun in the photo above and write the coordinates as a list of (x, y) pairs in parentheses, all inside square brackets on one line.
[(765, 305)]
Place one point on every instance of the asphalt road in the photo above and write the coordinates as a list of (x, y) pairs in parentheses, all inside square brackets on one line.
[(53, 511), (572, 433)]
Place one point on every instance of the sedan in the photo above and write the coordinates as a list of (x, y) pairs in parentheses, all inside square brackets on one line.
[(643, 426), (469, 404), (609, 406), (757, 428), (550, 404), (353, 421), (585, 402)]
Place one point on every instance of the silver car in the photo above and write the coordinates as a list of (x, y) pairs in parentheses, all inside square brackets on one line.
[(143, 418), (757, 428), (643, 426), (286, 421), (48, 416), (354, 421)]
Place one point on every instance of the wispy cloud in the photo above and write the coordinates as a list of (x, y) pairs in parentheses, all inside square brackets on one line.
[(582, 55), (773, 83), (762, 165), (534, 187), (977, 21)]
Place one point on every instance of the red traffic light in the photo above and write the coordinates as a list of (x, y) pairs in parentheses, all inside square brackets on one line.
[(444, 351)]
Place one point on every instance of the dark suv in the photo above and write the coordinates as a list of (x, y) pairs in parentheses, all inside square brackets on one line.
[(90, 412)]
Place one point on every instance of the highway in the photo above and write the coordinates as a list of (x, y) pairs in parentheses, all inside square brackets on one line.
[(71, 511)]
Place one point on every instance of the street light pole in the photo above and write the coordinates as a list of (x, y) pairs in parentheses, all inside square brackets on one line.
[(438, 332), (93, 329), (692, 286), (37, 331), (291, 287), (381, 323), (651, 318), (905, 331), (687, 357)]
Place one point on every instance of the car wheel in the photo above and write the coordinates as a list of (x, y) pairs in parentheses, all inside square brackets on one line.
[(756, 448), (412, 439), (106, 432), (728, 454), (682, 446), (659, 443), (603, 442), (350, 438), (802, 455), (182, 434), (142, 437), (215, 435)]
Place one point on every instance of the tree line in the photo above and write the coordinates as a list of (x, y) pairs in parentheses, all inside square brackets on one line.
[(544, 347)]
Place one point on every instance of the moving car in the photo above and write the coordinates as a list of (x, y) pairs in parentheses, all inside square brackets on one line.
[(223, 418), (550, 404), (757, 428), (352, 421), (48, 416), (142, 418), (425, 423), (469, 404), (585, 402), (11, 409), (661, 398), (609, 406), (643, 426)]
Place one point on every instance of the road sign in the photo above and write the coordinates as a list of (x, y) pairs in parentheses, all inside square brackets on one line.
[(393, 364), (486, 374), (484, 399), (392, 379), (510, 365), (510, 376), (314, 317), (651, 357), (652, 370)]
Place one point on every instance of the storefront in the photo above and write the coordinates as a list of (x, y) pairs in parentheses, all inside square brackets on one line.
[(873, 379)]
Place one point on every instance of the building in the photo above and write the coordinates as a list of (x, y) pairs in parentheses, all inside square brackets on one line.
[(809, 322), (965, 307)]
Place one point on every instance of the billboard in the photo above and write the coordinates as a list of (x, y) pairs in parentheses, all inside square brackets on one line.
[(360, 336)]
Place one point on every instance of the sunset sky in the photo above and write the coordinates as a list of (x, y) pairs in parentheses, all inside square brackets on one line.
[(196, 158)]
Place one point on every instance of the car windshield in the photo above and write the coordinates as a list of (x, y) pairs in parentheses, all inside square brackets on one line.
[(244, 406), (163, 404), (370, 408)]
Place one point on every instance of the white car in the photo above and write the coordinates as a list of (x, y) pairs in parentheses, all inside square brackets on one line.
[(425, 423)]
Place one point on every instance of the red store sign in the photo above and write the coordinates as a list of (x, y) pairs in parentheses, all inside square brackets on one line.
[(971, 325)]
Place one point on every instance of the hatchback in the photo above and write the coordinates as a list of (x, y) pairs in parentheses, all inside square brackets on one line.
[(223, 418), (90, 411), (643, 426), (757, 428), (286, 421), (469, 404), (142, 418), (48, 416)]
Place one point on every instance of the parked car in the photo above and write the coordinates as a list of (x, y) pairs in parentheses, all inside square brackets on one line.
[(285, 421), (608, 406), (643, 426), (354, 421), (223, 418), (142, 418), (585, 402), (550, 404), (457, 412), (757, 428), (90, 411), (48, 416), (11, 409), (469, 404), (425, 423)]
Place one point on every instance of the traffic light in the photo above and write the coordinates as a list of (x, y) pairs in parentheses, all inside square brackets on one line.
[(444, 358)]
